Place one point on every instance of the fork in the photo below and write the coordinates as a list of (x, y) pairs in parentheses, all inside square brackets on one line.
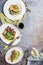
[(27, 9)]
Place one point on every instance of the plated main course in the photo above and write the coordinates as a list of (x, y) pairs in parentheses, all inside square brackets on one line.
[(14, 9), (14, 55), (9, 33)]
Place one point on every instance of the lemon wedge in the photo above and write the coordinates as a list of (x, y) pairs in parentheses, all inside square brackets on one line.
[(5, 47)]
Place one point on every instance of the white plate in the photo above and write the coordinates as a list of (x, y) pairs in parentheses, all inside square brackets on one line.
[(9, 53), (15, 2), (2, 28)]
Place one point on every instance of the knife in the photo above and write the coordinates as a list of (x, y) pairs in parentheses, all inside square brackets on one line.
[(14, 40), (5, 47)]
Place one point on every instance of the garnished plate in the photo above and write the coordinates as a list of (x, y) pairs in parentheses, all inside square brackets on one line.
[(14, 9), (14, 55), (8, 33)]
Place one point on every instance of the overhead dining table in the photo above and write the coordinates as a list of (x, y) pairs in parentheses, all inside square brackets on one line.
[(32, 33)]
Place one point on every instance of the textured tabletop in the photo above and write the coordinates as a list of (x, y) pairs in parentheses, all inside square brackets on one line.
[(32, 33)]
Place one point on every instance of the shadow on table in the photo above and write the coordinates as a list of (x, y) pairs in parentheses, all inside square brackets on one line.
[(2, 60)]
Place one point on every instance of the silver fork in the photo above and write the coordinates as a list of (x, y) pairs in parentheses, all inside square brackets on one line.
[(27, 9)]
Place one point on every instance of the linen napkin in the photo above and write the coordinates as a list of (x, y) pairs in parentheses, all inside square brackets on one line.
[(4, 19), (35, 61)]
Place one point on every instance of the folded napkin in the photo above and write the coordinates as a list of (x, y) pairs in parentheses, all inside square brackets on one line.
[(4, 19), (31, 59)]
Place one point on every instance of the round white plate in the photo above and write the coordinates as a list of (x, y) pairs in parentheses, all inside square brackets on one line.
[(2, 28), (9, 53), (14, 2)]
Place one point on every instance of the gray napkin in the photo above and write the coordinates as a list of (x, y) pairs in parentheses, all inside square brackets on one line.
[(35, 61)]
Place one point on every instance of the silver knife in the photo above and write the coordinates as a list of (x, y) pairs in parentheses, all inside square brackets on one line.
[(14, 40), (4, 49)]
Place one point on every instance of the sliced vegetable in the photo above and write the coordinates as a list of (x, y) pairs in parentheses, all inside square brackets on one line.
[(9, 33), (14, 55)]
